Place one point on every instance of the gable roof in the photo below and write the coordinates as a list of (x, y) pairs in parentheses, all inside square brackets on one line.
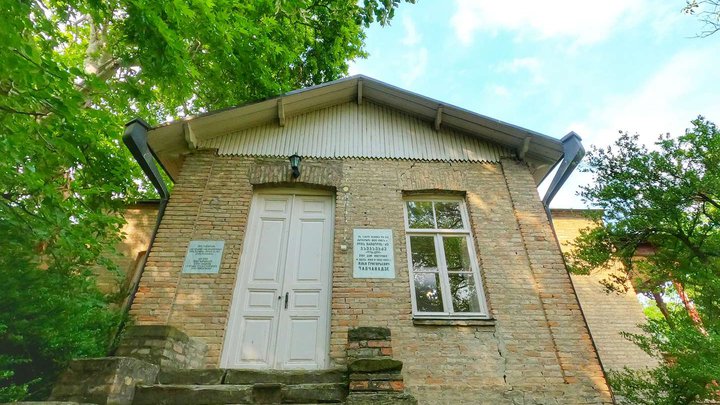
[(171, 140)]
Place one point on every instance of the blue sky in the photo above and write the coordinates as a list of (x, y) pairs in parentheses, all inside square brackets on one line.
[(555, 66)]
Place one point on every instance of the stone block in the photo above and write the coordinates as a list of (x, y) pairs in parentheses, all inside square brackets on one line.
[(193, 394), (368, 333), (108, 380), (237, 376), (313, 393), (396, 376), (267, 393), (377, 398), (164, 345), (378, 365), (198, 376)]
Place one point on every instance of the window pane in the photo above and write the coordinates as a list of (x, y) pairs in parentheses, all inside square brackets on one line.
[(464, 293), (422, 250), (448, 215), (456, 253), (428, 294), (420, 214)]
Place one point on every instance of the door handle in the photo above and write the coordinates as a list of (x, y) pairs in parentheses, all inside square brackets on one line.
[(286, 299)]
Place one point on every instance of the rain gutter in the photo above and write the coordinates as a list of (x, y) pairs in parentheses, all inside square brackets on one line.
[(135, 138), (573, 152)]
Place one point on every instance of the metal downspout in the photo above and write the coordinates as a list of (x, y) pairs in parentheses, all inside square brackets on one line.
[(135, 138), (573, 152)]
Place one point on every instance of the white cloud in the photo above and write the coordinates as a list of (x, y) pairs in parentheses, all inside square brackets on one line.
[(415, 62), (583, 22), (401, 58), (500, 91), (519, 64), (679, 91), (411, 37), (531, 65), (684, 87)]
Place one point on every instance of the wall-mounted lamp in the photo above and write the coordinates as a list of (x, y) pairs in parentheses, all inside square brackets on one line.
[(295, 165)]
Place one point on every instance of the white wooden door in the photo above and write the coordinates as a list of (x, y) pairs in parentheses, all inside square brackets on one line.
[(279, 317)]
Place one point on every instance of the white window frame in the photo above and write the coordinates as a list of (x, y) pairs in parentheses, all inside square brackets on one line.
[(442, 265)]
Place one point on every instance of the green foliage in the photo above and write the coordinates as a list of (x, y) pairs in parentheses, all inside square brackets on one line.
[(71, 73), (668, 200), (689, 365)]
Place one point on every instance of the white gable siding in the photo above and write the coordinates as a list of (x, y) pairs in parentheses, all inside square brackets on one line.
[(357, 131)]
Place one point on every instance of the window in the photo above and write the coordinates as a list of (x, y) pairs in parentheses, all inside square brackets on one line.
[(445, 281)]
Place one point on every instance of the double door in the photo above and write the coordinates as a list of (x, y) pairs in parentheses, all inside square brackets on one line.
[(279, 318)]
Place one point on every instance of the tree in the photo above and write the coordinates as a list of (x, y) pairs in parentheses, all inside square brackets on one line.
[(667, 198), (709, 13), (72, 72)]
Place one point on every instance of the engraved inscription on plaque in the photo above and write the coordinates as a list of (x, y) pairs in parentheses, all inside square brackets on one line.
[(373, 253), (203, 256)]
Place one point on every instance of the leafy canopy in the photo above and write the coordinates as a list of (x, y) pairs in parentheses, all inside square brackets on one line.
[(72, 72), (668, 199)]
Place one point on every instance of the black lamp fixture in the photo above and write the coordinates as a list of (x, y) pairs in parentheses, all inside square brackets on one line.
[(295, 165)]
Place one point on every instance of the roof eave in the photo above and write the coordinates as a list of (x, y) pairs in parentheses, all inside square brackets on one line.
[(169, 141)]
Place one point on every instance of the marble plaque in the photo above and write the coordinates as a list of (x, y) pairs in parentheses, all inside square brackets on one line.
[(203, 256), (373, 254)]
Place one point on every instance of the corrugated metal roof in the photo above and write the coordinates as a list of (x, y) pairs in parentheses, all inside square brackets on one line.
[(357, 131), (171, 140)]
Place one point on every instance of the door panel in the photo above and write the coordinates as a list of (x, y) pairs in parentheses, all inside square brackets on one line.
[(255, 341), (267, 265), (304, 323), (310, 251), (287, 253), (253, 322), (302, 332)]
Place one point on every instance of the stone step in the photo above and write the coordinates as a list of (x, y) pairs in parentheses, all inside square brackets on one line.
[(199, 376), (322, 393), (244, 377), (172, 394), (207, 394), (287, 377)]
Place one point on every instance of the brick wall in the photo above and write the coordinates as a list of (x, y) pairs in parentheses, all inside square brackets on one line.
[(140, 220), (538, 350), (607, 314)]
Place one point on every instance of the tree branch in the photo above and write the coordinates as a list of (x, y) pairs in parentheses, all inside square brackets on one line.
[(14, 111)]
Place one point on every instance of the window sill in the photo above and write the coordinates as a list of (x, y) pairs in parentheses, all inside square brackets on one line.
[(453, 322)]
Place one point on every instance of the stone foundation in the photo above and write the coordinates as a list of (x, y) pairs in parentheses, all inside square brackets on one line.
[(164, 345), (107, 380), (375, 377)]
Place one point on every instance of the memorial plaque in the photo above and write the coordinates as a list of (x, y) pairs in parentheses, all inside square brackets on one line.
[(203, 256), (373, 255)]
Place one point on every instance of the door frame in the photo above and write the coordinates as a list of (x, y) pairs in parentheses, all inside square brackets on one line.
[(241, 276)]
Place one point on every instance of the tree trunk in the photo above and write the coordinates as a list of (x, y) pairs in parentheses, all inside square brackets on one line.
[(689, 306), (663, 307)]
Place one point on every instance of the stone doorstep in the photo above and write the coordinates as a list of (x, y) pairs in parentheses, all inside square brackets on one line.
[(305, 393), (239, 394), (287, 377), (267, 393), (192, 394), (200, 376), (203, 376)]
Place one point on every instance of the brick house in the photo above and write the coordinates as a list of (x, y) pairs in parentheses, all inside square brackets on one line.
[(411, 230)]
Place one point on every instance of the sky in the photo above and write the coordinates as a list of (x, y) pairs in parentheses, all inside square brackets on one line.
[(593, 67)]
